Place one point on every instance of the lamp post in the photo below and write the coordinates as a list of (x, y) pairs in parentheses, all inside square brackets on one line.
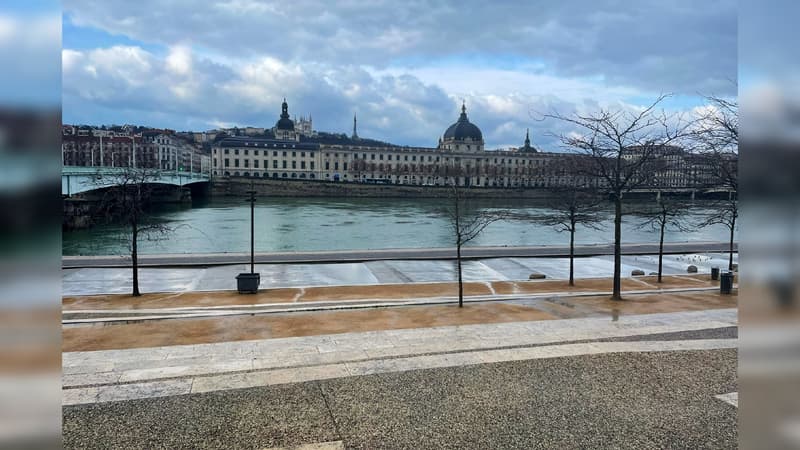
[(247, 283)]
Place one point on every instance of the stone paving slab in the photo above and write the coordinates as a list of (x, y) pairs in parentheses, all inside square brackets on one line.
[(393, 342), (96, 376), (213, 383)]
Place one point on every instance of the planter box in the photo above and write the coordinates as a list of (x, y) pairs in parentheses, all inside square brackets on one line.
[(247, 283)]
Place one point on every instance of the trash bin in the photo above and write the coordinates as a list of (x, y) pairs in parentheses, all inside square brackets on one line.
[(715, 273), (247, 283), (726, 283)]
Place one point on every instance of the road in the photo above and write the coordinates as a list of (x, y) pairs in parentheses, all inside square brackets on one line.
[(219, 259)]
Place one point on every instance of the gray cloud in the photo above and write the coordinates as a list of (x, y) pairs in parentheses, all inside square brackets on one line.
[(678, 46), (404, 67)]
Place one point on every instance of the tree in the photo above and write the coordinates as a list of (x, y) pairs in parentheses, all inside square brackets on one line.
[(126, 202), (724, 212), (572, 206), (666, 214), (716, 137), (466, 223), (622, 148)]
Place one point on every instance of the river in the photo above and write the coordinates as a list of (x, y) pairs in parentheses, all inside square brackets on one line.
[(309, 224)]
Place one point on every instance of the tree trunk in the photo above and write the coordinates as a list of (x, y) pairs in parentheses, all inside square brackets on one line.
[(135, 258), (460, 281), (660, 251), (730, 247), (572, 256), (617, 294)]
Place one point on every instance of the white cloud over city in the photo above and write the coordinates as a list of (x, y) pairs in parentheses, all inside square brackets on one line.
[(404, 67)]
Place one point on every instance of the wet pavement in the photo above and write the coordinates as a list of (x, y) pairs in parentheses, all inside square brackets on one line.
[(88, 281)]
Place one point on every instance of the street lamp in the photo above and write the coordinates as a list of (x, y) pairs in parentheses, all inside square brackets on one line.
[(247, 283)]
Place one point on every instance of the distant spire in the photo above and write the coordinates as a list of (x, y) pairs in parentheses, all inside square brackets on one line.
[(463, 117), (527, 138), (355, 123)]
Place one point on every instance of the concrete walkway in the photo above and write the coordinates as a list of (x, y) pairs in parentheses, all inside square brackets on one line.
[(112, 375), (97, 280)]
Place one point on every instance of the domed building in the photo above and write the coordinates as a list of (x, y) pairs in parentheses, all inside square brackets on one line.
[(284, 127), (462, 136)]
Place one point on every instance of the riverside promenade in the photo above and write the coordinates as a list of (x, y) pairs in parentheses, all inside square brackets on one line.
[(313, 361)]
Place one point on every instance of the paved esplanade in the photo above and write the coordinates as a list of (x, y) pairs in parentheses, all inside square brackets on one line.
[(111, 280), (112, 375), (388, 254), (646, 381)]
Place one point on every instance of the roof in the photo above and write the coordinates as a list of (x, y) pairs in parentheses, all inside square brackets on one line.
[(256, 142), (463, 128)]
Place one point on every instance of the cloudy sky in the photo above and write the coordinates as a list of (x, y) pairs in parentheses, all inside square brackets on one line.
[(403, 66)]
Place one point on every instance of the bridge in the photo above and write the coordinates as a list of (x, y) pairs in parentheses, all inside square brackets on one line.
[(79, 179)]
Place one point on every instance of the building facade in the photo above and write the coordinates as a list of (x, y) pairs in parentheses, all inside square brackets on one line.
[(459, 158), (154, 149)]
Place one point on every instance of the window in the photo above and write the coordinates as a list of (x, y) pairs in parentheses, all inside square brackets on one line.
[(236, 151), (284, 163), (274, 163), (345, 166), (255, 164), (255, 152), (274, 153), (327, 165), (294, 154), (284, 154), (247, 163), (336, 165), (390, 157), (245, 152), (312, 167), (294, 164), (236, 162), (406, 158), (302, 154), (381, 157), (302, 164), (372, 156), (227, 162)]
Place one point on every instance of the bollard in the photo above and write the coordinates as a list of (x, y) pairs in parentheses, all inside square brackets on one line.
[(726, 283), (715, 273)]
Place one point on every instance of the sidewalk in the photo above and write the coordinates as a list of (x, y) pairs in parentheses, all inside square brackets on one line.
[(112, 375)]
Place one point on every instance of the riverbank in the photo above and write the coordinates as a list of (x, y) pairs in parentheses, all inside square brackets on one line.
[(238, 186)]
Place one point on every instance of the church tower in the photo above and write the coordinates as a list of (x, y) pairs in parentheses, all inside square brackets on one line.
[(526, 147), (355, 132)]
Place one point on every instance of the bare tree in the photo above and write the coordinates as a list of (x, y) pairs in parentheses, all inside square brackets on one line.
[(573, 206), (716, 138), (667, 214), (126, 202), (622, 148), (725, 212), (466, 223)]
